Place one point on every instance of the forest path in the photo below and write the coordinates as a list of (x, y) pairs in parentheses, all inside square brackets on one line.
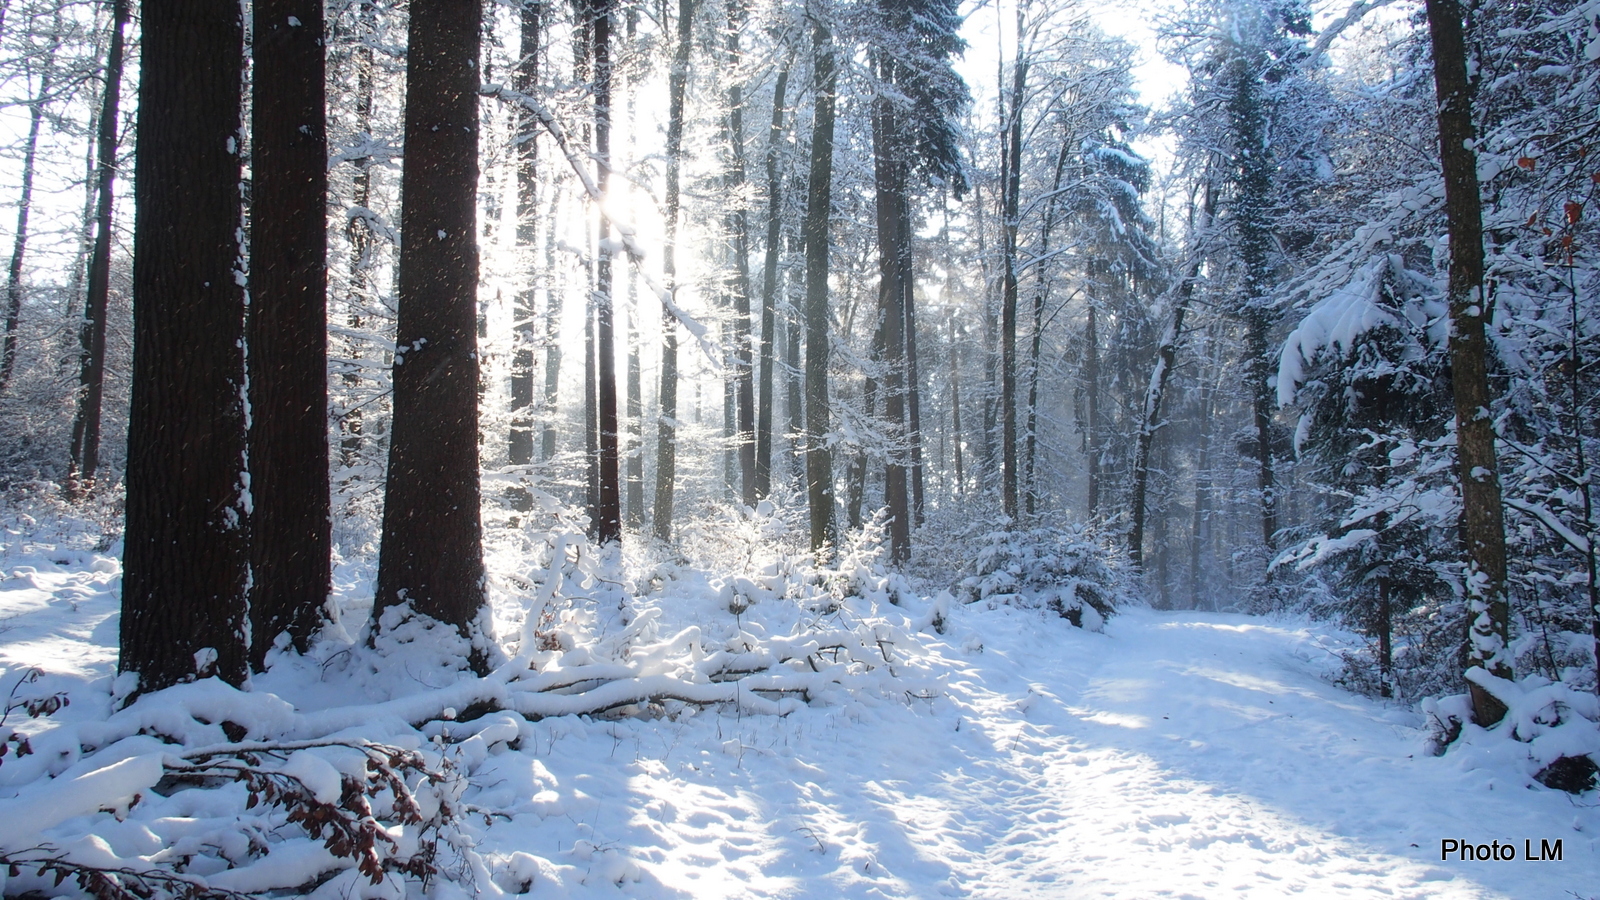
[(1202, 755)]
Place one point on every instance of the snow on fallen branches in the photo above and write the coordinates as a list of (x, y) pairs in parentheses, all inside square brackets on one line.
[(374, 771)]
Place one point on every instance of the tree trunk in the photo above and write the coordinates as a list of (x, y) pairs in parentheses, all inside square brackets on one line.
[(1252, 209), (287, 329), (738, 231), (955, 407), (432, 554), (19, 247), (526, 79), (85, 453), (819, 201), (1166, 355), (186, 560), (889, 179), (1011, 181), (913, 390), (769, 290), (1482, 526), (1041, 294), (608, 524), (358, 230), (667, 423), (1091, 391)]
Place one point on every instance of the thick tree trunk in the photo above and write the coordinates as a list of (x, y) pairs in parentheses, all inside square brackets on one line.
[(19, 246), (819, 201), (287, 329), (85, 453), (667, 423), (432, 556), (1482, 525), (769, 290), (186, 560), (1252, 210)]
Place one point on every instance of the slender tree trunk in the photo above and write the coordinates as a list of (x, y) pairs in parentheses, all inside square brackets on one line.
[(667, 424), (431, 557), (186, 561), (1041, 294), (769, 290), (552, 335), (1482, 525), (19, 246), (287, 329), (358, 230), (955, 406), (1011, 187), (85, 454), (1385, 638), (738, 232), (634, 449), (913, 389), (525, 77), (819, 201), (794, 380), (889, 177), (1091, 390), (1166, 355), (1199, 532), (608, 527)]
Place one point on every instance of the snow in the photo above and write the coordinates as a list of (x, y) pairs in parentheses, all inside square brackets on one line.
[(1010, 756)]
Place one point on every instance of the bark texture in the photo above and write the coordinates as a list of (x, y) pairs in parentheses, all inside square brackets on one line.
[(186, 557), (431, 556)]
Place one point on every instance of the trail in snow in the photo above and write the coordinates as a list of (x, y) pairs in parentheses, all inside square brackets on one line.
[(1180, 755)]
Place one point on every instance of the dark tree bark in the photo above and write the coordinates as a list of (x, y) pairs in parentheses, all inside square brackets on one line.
[(1011, 182), (186, 558), (769, 290), (432, 554), (814, 232), (667, 424), (1482, 523), (526, 79), (287, 328), (608, 488), (19, 246), (85, 452), (1253, 171), (894, 270)]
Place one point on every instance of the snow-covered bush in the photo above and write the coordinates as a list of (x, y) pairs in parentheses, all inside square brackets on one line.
[(1550, 732), (1060, 568)]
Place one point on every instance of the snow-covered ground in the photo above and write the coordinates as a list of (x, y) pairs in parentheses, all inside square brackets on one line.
[(1174, 755)]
